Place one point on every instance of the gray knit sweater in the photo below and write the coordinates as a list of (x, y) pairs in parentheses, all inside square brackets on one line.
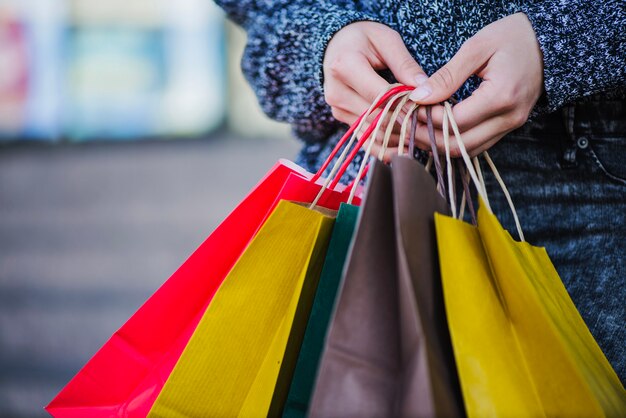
[(583, 44)]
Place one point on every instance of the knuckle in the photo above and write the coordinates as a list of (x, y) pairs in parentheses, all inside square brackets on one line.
[(507, 100), (473, 46), (333, 98), (330, 97), (444, 78), (519, 118), (394, 36), (470, 45), (407, 65), (455, 151), (336, 67), (388, 34), (336, 112)]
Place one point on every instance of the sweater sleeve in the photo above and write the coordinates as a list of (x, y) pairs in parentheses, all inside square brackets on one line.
[(584, 47), (284, 54)]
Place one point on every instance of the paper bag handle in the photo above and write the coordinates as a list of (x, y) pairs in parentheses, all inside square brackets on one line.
[(475, 172)]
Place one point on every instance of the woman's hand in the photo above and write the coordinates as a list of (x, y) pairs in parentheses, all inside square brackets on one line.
[(506, 56), (351, 82)]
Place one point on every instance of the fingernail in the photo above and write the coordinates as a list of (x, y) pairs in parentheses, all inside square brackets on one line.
[(421, 93), (420, 79)]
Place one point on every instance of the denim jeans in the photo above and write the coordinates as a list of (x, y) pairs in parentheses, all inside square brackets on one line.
[(566, 173)]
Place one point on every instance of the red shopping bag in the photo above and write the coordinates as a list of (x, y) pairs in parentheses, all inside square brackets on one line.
[(126, 375)]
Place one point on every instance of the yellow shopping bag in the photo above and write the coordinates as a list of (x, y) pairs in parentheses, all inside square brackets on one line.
[(239, 359), (522, 348)]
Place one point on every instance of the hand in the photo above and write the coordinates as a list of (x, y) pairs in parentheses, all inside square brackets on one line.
[(506, 56), (350, 80)]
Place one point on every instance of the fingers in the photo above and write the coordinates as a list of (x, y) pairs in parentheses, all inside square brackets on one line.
[(393, 52), (476, 140), (449, 78), (350, 118), (506, 56), (436, 115), (357, 72), (470, 114), (351, 82), (394, 138), (348, 99), (488, 101), (344, 116), (355, 53), (346, 104)]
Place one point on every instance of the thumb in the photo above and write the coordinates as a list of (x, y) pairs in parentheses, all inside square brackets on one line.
[(398, 59), (449, 78)]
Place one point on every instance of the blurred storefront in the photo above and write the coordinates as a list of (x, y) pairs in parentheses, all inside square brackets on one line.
[(116, 69)]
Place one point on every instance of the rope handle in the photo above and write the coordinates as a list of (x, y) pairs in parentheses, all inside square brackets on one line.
[(398, 92), (473, 167), (441, 188), (466, 196), (358, 124), (411, 115), (390, 125), (351, 184), (382, 115), (343, 161)]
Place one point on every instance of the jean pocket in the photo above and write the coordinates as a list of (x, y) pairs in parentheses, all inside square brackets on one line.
[(609, 153)]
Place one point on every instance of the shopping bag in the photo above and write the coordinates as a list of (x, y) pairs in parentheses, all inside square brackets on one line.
[(360, 364), (428, 385), (521, 346), (126, 375), (310, 352), (233, 361)]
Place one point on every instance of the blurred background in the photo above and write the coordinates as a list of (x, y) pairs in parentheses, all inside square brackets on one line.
[(127, 133)]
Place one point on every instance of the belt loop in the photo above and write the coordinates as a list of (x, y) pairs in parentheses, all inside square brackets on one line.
[(568, 145)]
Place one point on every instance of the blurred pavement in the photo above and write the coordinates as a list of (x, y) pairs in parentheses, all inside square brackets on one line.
[(88, 232)]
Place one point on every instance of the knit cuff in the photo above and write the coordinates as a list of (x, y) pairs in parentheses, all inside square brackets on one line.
[(582, 51)]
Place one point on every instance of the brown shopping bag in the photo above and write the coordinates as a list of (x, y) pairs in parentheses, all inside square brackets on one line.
[(388, 350), (361, 361), (428, 383)]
